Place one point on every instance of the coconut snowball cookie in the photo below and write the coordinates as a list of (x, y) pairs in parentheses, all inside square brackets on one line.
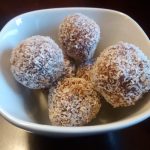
[(84, 70), (79, 36), (73, 102), (122, 74), (37, 62)]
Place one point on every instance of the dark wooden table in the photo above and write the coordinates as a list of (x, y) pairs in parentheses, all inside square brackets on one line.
[(136, 137)]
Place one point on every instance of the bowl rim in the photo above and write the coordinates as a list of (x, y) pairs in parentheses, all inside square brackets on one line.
[(34, 127), (76, 8)]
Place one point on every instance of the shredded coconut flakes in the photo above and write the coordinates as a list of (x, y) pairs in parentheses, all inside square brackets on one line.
[(122, 74), (37, 62), (79, 36)]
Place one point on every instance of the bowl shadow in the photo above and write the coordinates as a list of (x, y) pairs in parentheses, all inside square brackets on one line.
[(108, 114), (34, 101), (36, 105)]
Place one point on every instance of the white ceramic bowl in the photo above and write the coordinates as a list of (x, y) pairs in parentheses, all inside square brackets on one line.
[(27, 109)]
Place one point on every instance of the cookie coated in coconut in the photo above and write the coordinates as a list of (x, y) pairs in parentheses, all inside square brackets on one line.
[(79, 36), (73, 102), (37, 62), (84, 70), (122, 74)]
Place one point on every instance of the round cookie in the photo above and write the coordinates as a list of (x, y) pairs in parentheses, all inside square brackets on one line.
[(73, 102), (37, 62), (122, 74), (79, 36)]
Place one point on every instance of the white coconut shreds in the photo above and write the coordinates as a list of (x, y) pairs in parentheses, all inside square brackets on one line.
[(79, 36), (84, 70), (73, 102), (122, 74), (37, 62)]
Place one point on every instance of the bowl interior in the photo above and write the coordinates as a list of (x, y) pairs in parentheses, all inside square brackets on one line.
[(31, 105)]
